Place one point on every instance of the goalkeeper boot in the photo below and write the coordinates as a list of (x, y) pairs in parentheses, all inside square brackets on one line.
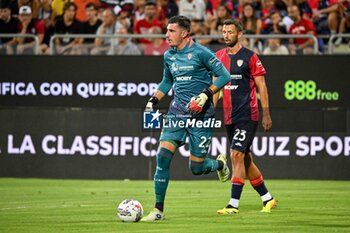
[(154, 215), (228, 210), (269, 205), (223, 174)]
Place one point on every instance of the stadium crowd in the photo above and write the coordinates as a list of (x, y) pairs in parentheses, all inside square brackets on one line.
[(45, 18)]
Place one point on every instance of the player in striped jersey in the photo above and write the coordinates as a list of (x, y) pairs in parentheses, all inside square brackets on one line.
[(241, 114)]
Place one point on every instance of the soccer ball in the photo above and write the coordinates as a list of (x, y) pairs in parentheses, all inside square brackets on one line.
[(130, 210)]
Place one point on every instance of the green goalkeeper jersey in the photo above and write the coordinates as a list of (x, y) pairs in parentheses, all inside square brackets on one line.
[(190, 71)]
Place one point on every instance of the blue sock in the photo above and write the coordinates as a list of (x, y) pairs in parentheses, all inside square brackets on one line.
[(236, 191), (261, 189), (259, 185)]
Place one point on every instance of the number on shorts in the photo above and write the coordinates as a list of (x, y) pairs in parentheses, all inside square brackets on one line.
[(240, 135), (205, 142)]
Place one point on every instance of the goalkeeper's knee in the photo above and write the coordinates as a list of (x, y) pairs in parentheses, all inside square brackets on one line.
[(164, 157), (196, 168)]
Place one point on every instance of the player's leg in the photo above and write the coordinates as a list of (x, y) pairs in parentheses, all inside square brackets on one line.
[(165, 153), (240, 137), (199, 143), (161, 176), (237, 182), (256, 180), (170, 140)]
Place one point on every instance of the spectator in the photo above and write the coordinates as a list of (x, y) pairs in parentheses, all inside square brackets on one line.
[(57, 7), (276, 24), (103, 45), (305, 8), (301, 26), (274, 47), (313, 5), (218, 20), (213, 5), (142, 26), (238, 8), (192, 9), (158, 45), (29, 25), (92, 22), (281, 6), (251, 24), (123, 17), (139, 10), (198, 29), (344, 27), (269, 6), (68, 24), (33, 4), (46, 14), (12, 4), (110, 4), (8, 25), (172, 9), (125, 46), (246, 43), (91, 25), (81, 4), (326, 18), (166, 9)]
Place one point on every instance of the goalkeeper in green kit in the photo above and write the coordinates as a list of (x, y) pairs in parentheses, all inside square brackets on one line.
[(188, 68)]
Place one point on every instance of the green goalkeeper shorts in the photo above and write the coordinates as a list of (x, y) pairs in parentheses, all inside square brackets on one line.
[(179, 129)]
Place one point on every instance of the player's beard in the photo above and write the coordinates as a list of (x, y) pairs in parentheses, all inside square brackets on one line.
[(233, 42)]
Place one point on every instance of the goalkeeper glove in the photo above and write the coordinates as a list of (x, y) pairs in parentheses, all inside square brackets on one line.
[(152, 102), (197, 103)]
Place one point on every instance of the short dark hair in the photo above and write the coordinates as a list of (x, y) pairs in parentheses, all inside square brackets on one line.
[(182, 21), (5, 4), (69, 4), (91, 5), (150, 3), (237, 24)]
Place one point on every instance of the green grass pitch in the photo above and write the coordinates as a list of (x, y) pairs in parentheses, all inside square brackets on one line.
[(44, 205)]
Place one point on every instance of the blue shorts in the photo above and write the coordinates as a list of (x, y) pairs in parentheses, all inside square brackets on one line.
[(241, 135), (199, 138)]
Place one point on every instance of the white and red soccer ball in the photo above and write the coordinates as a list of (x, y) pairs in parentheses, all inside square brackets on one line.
[(130, 210)]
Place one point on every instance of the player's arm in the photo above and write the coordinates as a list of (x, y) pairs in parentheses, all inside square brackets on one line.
[(215, 96), (264, 100), (222, 77), (154, 100), (163, 89)]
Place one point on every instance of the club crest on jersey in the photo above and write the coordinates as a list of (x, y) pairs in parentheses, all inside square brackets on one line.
[(189, 56), (258, 63), (239, 62), (174, 68)]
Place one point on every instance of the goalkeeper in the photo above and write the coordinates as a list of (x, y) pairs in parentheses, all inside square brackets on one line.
[(188, 67)]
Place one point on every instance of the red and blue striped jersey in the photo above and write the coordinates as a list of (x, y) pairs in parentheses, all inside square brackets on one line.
[(239, 95)]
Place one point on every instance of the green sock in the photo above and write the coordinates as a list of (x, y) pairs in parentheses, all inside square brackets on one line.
[(205, 167), (161, 176)]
